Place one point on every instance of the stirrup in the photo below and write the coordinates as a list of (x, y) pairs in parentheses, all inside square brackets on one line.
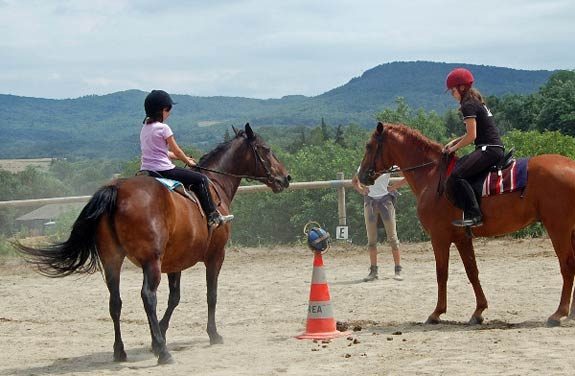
[(216, 219), (471, 222)]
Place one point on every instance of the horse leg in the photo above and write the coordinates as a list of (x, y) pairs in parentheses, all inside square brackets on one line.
[(112, 273), (152, 276), (441, 253), (173, 301), (563, 246), (213, 267), (467, 254), (572, 312)]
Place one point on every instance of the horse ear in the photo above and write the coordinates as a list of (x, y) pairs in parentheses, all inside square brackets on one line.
[(235, 130), (249, 132), (379, 127)]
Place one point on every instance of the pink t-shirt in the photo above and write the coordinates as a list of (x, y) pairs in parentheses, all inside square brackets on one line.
[(154, 145)]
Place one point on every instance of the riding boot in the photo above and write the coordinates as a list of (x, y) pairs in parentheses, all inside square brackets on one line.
[(215, 218), (471, 212)]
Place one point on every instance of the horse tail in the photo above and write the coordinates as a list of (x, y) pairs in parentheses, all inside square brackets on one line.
[(78, 254)]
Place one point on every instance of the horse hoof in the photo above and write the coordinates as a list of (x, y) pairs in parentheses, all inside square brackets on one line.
[(476, 320), (216, 340), (551, 323), (165, 358), (120, 357), (432, 321)]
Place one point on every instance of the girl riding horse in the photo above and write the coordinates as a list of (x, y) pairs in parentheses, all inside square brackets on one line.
[(159, 145), (480, 130)]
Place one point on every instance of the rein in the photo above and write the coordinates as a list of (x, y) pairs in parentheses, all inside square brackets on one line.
[(371, 172), (397, 169), (259, 159)]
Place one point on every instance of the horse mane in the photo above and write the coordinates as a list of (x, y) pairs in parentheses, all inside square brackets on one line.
[(223, 146), (214, 152), (415, 137)]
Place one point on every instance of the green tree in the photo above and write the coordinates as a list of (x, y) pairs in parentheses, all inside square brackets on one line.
[(532, 143), (339, 136), (453, 123), (557, 104), (430, 124), (401, 114), (325, 131)]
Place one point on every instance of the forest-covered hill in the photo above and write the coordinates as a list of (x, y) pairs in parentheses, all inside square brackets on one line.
[(107, 126)]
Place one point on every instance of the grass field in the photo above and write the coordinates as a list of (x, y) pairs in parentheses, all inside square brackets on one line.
[(17, 165)]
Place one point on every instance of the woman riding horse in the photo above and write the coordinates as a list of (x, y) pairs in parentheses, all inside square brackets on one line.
[(547, 197), (481, 130)]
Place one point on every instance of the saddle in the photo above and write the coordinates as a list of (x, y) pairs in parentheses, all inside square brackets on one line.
[(508, 175), (505, 162), (180, 189)]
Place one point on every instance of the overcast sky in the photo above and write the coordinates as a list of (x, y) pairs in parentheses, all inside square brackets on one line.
[(263, 49)]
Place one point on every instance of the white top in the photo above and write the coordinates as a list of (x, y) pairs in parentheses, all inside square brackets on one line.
[(379, 187)]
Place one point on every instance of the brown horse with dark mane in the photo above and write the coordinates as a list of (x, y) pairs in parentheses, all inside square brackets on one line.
[(549, 197), (161, 232)]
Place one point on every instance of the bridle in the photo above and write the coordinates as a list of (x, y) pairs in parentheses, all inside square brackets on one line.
[(371, 171), (258, 158)]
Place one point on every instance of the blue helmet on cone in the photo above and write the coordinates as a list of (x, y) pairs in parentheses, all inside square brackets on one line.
[(318, 239)]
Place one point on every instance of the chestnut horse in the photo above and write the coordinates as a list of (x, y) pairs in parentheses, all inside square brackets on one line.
[(549, 197), (161, 232)]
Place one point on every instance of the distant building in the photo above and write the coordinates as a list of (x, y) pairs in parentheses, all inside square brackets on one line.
[(45, 217)]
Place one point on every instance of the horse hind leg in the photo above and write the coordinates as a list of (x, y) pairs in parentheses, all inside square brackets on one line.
[(112, 274), (572, 312), (467, 254), (564, 248), (112, 257), (152, 276), (173, 301)]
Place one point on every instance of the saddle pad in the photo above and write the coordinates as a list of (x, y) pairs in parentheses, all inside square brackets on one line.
[(512, 179), (169, 183)]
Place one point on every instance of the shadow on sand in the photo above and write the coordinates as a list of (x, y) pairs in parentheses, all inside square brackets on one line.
[(101, 361)]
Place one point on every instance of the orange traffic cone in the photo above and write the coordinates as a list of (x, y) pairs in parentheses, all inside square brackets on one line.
[(320, 321)]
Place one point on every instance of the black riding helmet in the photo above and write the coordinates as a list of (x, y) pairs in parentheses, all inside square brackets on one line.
[(156, 101)]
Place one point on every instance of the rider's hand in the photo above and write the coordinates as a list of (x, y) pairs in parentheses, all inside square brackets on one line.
[(191, 161)]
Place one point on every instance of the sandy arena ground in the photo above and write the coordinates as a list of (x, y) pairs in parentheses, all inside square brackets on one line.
[(62, 326)]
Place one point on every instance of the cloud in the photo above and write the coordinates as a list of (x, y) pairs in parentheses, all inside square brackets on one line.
[(263, 49)]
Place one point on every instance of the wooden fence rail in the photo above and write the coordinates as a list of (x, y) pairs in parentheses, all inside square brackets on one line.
[(340, 184), (241, 190)]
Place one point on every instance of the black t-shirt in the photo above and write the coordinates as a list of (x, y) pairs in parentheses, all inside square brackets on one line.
[(487, 132)]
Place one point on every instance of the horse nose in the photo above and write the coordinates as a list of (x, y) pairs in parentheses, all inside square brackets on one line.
[(287, 179)]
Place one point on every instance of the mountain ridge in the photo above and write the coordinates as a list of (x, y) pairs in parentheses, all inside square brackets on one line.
[(108, 125)]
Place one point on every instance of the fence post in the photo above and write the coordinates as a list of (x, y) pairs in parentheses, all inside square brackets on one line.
[(341, 202)]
